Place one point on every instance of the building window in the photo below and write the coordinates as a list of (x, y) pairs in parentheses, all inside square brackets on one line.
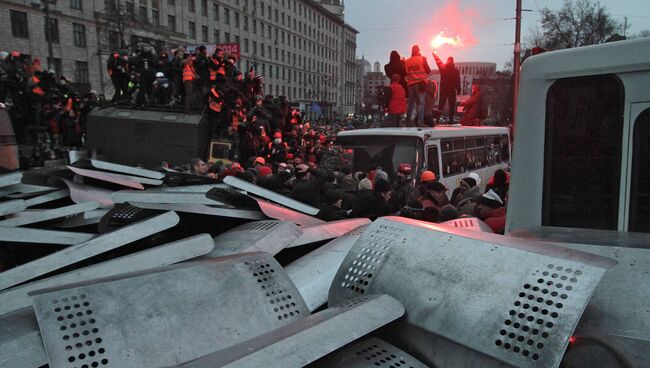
[(75, 4), (204, 34), (191, 6), (236, 20), (79, 34), (217, 39), (144, 18), (171, 23), (55, 64), (155, 4), (245, 23), (171, 2), (155, 17), (81, 72), (584, 133), (246, 45), (215, 11), (130, 11), (227, 37), (254, 47), (204, 8), (254, 26), (192, 30), (52, 32), (226, 16), (19, 24), (113, 40)]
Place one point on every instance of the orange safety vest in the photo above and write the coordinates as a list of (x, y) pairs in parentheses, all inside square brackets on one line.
[(213, 103), (188, 72), (213, 72), (415, 72)]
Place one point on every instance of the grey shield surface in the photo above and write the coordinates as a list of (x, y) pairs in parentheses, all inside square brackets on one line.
[(468, 223), (16, 190), (26, 235), (18, 205), (169, 315), (46, 215), (224, 211), (134, 182), (80, 193), (161, 197), (368, 353), (87, 249), (313, 273), (10, 179), (309, 339), (17, 298), (327, 230), (278, 212), (516, 301), (104, 165), (270, 195), (21, 345), (266, 236)]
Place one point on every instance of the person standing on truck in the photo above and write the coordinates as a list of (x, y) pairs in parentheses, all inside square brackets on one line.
[(449, 85), (417, 71), (189, 76), (472, 107), (118, 70), (396, 104)]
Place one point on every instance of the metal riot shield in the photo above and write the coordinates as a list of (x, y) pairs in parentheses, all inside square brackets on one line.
[(468, 223), (46, 215), (270, 195), (37, 236), (21, 345), (264, 236), (80, 193), (313, 273), (166, 316), (124, 180), (124, 169), (162, 255), (161, 197), (224, 211), (10, 179), (87, 249), (327, 230), (308, 339), (368, 353), (506, 299)]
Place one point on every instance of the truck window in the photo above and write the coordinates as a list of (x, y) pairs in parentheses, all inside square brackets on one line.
[(475, 153), (493, 150), (640, 190), (582, 153), (432, 160), (505, 148)]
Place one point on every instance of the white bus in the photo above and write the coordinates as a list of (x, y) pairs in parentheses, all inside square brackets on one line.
[(451, 152)]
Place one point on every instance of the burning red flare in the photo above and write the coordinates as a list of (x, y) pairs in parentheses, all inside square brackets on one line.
[(440, 39)]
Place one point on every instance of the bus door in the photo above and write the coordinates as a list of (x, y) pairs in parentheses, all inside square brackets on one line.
[(637, 206)]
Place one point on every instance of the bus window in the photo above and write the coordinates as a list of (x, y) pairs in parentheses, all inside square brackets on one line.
[(582, 153), (432, 160), (640, 193), (453, 161), (493, 150), (475, 154), (505, 148)]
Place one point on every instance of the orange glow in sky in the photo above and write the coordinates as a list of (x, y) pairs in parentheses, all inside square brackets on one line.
[(440, 39)]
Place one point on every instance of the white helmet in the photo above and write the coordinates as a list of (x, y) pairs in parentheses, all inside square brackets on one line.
[(160, 75)]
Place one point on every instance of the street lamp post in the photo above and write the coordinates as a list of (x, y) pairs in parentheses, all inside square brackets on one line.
[(45, 6)]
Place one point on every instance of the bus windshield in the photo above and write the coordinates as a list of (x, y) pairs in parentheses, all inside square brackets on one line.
[(384, 151)]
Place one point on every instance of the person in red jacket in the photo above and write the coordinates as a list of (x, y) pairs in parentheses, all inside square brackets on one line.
[(397, 103), (490, 208)]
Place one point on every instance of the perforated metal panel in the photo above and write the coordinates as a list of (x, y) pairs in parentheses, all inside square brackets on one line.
[(468, 223), (306, 340), (266, 236), (368, 353), (80, 193), (516, 301), (166, 316)]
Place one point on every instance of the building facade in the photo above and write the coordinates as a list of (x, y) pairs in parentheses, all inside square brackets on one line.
[(303, 48)]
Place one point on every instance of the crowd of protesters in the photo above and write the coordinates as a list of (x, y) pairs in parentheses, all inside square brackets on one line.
[(44, 109), (340, 193)]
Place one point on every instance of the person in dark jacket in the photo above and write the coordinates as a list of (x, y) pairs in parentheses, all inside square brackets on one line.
[(304, 188), (465, 195), (449, 85), (331, 208), (473, 107), (500, 183), (118, 70), (396, 66), (374, 203)]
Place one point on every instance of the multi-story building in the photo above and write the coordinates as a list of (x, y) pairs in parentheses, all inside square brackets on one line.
[(372, 82), (303, 48)]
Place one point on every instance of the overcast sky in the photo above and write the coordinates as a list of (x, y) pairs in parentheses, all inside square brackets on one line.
[(487, 27)]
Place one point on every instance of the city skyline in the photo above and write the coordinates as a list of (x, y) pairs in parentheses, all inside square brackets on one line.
[(488, 28)]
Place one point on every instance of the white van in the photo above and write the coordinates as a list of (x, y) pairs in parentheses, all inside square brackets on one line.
[(451, 152)]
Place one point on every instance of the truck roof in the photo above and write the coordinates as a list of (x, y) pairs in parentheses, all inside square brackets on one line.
[(444, 131)]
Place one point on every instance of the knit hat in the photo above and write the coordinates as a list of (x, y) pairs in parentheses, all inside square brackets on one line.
[(331, 196), (381, 174), (469, 181), (365, 183), (490, 199), (302, 168), (477, 179), (348, 183), (448, 213), (263, 171), (435, 186), (382, 186)]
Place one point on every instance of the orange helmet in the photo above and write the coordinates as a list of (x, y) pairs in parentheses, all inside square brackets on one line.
[(427, 176), (260, 160)]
